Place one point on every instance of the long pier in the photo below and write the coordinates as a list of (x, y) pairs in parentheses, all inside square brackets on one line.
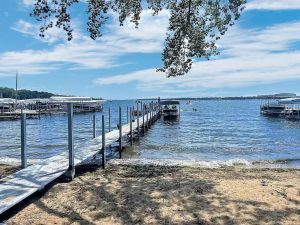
[(22, 184)]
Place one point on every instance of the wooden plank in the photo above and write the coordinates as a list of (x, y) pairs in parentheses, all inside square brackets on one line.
[(25, 182)]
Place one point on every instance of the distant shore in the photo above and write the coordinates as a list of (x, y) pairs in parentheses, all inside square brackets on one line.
[(147, 194)]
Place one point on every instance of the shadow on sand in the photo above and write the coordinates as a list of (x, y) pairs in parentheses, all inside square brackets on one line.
[(148, 195)]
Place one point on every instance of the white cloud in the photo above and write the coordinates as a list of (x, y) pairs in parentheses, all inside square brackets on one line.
[(28, 2), (249, 57), (51, 36), (273, 5), (84, 53)]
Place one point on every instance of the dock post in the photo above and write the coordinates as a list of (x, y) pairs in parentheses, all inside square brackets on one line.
[(138, 119), (143, 107), (133, 113), (103, 143), (150, 113), (23, 141), (131, 136), (156, 111), (71, 170), (127, 117), (147, 118), (109, 120), (94, 125), (159, 108), (120, 132), (153, 113)]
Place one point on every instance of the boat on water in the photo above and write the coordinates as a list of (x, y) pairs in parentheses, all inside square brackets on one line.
[(11, 109), (292, 110), (273, 109), (170, 108), (288, 108)]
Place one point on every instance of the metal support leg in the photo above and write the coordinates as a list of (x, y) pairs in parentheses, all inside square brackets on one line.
[(120, 132), (94, 126), (71, 170), (130, 122), (103, 143), (23, 141)]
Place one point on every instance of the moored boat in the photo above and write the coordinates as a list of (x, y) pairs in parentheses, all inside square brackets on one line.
[(288, 108), (170, 108), (273, 109)]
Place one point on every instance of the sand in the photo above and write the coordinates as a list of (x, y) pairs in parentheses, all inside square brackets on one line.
[(169, 195), (6, 170)]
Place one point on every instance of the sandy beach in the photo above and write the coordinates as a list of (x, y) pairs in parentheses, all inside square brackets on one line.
[(130, 194), (6, 170)]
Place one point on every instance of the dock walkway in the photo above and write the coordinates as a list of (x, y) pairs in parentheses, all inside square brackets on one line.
[(25, 182)]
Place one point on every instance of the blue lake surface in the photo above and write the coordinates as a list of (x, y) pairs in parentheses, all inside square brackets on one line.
[(220, 130)]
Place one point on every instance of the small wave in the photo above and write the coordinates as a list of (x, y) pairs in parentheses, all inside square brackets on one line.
[(278, 163), (211, 164)]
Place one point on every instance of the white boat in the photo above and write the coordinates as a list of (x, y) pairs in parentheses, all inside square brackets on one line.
[(292, 110), (288, 108), (272, 109)]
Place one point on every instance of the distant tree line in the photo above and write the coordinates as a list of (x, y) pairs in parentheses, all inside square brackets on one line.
[(23, 94)]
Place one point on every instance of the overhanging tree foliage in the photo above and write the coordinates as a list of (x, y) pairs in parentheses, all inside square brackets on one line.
[(194, 25)]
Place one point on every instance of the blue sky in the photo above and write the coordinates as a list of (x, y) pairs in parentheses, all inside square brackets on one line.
[(259, 55)]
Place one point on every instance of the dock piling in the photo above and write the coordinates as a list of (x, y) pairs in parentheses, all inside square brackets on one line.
[(71, 170), (127, 117), (143, 113), (150, 109), (103, 143), (94, 125), (23, 141), (120, 132), (133, 113), (147, 122), (109, 119), (152, 121), (130, 125), (138, 119)]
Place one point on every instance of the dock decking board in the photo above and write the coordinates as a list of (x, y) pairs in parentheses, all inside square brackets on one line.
[(25, 182)]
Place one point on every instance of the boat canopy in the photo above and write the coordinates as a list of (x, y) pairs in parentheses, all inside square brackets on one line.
[(7, 101), (289, 101), (169, 102), (62, 99), (67, 98)]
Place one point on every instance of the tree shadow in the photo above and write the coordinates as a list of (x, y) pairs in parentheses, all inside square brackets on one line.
[(155, 195), (6, 170)]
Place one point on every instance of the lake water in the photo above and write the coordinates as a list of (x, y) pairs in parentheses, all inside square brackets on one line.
[(231, 131)]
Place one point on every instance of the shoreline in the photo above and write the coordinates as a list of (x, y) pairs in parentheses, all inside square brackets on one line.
[(206, 164), (147, 194), (263, 164)]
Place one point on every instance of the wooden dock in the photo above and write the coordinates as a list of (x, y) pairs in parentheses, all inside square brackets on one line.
[(25, 182)]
